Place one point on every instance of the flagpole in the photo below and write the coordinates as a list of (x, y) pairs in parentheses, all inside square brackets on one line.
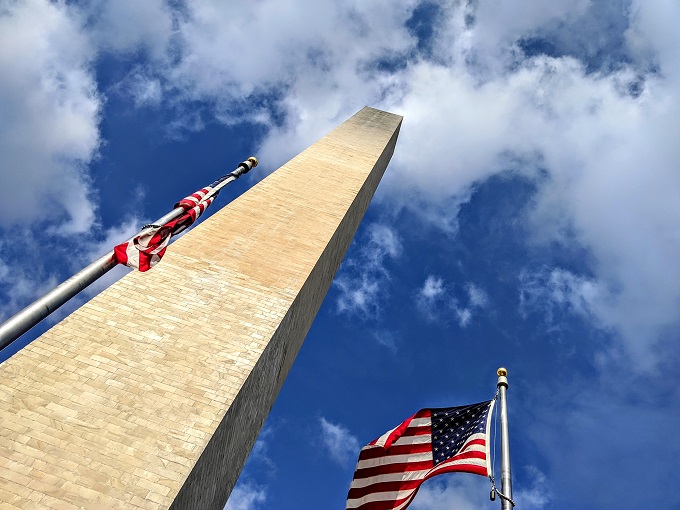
[(34, 313), (506, 480)]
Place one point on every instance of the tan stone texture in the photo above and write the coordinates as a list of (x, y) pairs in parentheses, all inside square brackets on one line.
[(152, 394)]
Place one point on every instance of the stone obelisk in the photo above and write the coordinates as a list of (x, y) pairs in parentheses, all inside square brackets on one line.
[(153, 393)]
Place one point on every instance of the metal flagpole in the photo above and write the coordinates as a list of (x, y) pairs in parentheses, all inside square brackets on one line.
[(506, 481), (24, 320)]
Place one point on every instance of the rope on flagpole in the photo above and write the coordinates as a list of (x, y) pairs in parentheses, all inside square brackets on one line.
[(21, 322), (494, 491)]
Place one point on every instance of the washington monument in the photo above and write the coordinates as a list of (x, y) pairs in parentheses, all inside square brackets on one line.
[(153, 393)]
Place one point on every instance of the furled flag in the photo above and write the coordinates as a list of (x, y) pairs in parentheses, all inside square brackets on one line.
[(433, 441), (146, 249)]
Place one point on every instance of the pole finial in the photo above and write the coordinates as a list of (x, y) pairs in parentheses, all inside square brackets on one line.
[(502, 377), (253, 161)]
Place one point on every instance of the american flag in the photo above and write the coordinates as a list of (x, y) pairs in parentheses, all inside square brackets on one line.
[(432, 441), (146, 249)]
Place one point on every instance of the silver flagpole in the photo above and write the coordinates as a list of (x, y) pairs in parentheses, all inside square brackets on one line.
[(506, 480), (24, 320)]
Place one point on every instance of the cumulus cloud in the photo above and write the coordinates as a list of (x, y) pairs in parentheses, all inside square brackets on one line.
[(598, 138), (364, 277), (429, 296), (553, 290), (260, 452), (435, 302), (477, 296), (342, 446), (288, 65), (50, 114), (477, 300), (459, 491), (433, 288), (603, 139), (128, 26), (462, 492), (535, 494), (144, 90), (19, 283)]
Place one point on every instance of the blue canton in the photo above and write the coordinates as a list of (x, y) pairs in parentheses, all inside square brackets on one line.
[(452, 426)]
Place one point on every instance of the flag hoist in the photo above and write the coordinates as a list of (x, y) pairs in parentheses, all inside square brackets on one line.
[(392, 468), (141, 252)]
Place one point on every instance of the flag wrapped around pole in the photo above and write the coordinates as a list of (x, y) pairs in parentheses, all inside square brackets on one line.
[(146, 249), (391, 468), (150, 243)]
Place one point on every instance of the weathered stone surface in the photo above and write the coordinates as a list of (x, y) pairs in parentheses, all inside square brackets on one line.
[(152, 394)]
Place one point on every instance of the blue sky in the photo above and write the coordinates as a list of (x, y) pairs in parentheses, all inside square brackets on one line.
[(530, 217)]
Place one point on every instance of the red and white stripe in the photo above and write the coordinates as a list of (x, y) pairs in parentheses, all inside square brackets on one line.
[(392, 468), (146, 249), (194, 199)]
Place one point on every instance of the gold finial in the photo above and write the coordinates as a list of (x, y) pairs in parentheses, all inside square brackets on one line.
[(253, 160), (502, 372)]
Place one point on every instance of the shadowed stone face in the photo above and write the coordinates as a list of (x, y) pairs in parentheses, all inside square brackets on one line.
[(153, 393)]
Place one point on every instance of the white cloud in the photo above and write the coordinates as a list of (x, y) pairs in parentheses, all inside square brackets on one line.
[(475, 107), (434, 302), (653, 36), (21, 283), (535, 494), (144, 90), (386, 339), (358, 295), (461, 491), (260, 452), (126, 26), (246, 497), (549, 289), (91, 251), (342, 446), (610, 156), (497, 25), (477, 297), (429, 296), (50, 114), (477, 300), (433, 288), (300, 56), (464, 316), (363, 278), (383, 242)]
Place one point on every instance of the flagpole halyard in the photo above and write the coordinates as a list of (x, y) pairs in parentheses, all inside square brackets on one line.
[(506, 479), (21, 322)]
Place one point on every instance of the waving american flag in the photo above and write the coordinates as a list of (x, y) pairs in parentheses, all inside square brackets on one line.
[(433, 441)]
